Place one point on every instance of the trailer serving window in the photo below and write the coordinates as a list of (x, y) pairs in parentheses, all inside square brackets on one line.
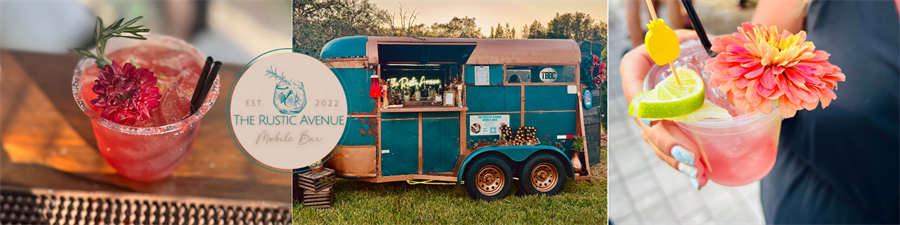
[(418, 76), (417, 85)]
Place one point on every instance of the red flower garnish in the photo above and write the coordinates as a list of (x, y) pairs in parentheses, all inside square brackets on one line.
[(126, 94)]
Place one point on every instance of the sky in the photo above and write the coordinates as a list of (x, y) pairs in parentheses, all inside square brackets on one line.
[(488, 13)]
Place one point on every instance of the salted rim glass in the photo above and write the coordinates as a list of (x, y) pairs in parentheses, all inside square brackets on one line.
[(693, 56), (152, 40)]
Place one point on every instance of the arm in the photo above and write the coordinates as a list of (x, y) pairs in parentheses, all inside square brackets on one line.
[(787, 15), (673, 8), (633, 17)]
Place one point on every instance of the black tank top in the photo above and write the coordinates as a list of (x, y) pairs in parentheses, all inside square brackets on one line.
[(842, 164)]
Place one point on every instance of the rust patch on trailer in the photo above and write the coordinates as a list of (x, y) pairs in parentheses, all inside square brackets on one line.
[(370, 121)]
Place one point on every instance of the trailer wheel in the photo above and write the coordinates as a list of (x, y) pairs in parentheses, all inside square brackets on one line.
[(488, 178), (543, 174)]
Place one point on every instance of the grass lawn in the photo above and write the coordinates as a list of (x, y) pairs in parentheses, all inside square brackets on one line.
[(359, 202)]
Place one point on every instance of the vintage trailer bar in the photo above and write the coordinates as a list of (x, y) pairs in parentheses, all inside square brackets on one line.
[(439, 94)]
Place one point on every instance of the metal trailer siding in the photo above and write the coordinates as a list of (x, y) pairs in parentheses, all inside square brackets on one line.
[(356, 84), (549, 98), (440, 145), (345, 47), (400, 152), (493, 99), (360, 131)]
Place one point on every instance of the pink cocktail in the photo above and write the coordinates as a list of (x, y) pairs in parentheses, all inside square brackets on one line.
[(740, 150), (150, 149)]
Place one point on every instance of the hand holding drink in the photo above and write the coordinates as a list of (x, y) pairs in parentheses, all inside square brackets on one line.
[(758, 76)]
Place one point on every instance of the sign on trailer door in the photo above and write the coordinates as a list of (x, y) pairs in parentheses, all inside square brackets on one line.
[(480, 125)]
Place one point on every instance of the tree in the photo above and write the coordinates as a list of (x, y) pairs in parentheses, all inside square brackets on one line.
[(503, 32), (577, 26), (403, 24), (457, 28), (535, 31), (603, 54), (319, 21)]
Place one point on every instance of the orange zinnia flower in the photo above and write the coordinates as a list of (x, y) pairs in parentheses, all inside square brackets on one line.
[(757, 65)]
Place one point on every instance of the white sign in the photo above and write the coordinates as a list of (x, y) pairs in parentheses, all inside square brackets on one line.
[(449, 101), (571, 89), (287, 110), (482, 75), (548, 75), (480, 125)]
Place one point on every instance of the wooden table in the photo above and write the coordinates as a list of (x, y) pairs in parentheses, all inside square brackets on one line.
[(48, 142)]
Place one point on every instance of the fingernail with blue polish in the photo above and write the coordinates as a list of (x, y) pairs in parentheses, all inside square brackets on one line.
[(690, 172), (682, 155), (646, 121)]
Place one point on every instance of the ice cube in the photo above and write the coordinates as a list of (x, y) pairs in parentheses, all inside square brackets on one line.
[(174, 106)]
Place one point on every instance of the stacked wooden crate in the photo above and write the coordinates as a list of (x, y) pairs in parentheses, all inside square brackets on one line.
[(318, 188)]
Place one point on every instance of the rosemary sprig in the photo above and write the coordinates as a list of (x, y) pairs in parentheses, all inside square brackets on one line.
[(118, 29), (273, 73)]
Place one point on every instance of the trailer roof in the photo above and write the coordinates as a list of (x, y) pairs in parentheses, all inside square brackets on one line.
[(487, 51)]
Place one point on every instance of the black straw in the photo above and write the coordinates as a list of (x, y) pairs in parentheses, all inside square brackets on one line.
[(199, 87), (695, 21), (210, 80)]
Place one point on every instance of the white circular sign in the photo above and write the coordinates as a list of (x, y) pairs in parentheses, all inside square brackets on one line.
[(548, 75), (288, 110)]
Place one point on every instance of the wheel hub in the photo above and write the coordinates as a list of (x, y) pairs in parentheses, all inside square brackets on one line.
[(490, 180), (543, 177)]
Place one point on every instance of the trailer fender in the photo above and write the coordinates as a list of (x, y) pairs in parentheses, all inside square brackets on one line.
[(517, 154)]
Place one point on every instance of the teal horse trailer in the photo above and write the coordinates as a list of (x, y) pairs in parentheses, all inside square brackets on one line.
[(467, 111)]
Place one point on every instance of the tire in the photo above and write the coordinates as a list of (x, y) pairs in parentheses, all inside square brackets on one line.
[(543, 174), (488, 178)]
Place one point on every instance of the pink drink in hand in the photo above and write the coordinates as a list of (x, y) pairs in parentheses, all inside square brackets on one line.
[(150, 149), (740, 150)]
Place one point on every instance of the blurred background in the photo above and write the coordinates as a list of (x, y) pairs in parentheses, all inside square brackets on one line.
[(642, 188), (232, 31)]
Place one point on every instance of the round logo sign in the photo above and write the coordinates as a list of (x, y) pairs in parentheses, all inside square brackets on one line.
[(548, 75), (287, 110), (587, 99)]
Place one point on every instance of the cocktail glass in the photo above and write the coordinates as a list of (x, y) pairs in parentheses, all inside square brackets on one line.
[(153, 148), (290, 97), (740, 150)]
